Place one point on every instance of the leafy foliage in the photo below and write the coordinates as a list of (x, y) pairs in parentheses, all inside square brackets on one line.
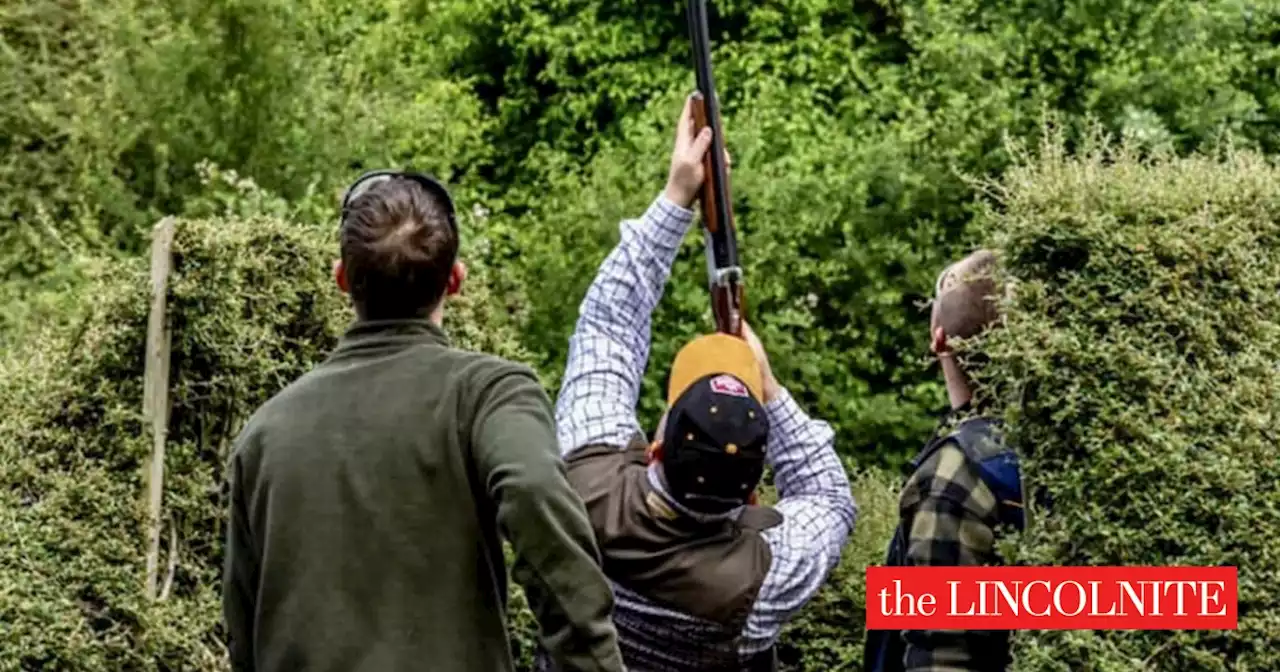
[(1137, 365), (110, 107), (853, 127)]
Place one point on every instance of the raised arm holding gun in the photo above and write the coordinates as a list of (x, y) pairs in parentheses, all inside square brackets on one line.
[(704, 579)]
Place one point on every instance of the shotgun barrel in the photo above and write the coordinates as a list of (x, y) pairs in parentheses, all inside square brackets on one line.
[(724, 274)]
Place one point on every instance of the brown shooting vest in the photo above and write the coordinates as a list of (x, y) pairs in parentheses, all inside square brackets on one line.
[(710, 572)]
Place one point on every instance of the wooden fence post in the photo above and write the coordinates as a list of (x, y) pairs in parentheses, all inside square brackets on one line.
[(155, 395)]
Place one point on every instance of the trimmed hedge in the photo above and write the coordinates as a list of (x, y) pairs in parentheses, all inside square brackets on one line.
[(1138, 369)]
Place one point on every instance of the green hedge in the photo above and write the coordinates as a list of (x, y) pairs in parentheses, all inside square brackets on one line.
[(1138, 370)]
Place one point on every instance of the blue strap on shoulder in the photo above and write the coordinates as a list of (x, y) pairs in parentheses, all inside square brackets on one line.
[(1000, 471)]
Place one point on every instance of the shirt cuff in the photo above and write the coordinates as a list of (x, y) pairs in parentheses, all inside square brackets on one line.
[(786, 418), (669, 205), (667, 223)]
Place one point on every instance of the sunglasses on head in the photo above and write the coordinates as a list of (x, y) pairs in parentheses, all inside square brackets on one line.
[(375, 177)]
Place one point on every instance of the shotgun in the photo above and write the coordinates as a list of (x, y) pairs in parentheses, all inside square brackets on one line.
[(724, 275)]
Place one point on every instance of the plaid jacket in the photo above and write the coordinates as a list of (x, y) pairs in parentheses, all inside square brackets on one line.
[(953, 518)]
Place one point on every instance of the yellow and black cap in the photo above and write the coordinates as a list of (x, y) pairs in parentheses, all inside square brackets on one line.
[(714, 444)]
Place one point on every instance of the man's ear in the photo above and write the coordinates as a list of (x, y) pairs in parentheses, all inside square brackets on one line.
[(457, 276), (938, 343), (654, 452), (340, 276)]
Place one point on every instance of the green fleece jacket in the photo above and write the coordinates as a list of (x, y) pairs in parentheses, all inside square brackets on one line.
[(368, 503)]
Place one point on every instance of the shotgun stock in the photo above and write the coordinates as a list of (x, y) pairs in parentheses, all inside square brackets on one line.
[(724, 275)]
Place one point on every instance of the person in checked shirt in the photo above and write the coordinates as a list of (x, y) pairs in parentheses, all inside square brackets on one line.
[(963, 490), (704, 578)]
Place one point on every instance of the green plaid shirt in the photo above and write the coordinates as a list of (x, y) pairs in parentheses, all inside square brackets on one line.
[(954, 516)]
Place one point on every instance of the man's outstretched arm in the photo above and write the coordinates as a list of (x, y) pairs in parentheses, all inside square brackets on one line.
[(818, 516), (816, 504), (610, 345), (557, 560)]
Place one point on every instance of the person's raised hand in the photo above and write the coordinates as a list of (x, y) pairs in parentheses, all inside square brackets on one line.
[(684, 181), (771, 387)]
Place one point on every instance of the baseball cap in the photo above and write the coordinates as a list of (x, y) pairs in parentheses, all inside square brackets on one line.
[(714, 443)]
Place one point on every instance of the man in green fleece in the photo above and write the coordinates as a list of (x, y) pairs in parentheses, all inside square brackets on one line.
[(368, 497)]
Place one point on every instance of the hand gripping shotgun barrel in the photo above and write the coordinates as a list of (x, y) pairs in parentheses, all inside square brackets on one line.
[(723, 272)]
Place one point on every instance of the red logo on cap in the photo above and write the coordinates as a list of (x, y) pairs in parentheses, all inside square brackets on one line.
[(728, 385)]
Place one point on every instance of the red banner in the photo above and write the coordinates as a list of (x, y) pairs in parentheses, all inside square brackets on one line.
[(1051, 598)]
